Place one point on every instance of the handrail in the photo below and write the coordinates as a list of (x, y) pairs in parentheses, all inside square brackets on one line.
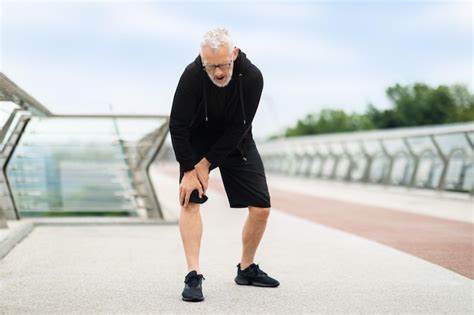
[(9, 91)]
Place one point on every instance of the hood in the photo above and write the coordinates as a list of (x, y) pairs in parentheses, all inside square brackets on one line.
[(241, 64)]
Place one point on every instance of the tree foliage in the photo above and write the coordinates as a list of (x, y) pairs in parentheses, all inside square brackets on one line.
[(411, 105)]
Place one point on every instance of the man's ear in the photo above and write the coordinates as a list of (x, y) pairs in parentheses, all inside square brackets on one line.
[(236, 52)]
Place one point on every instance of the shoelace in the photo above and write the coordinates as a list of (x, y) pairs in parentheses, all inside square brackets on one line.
[(255, 268), (194, 280)]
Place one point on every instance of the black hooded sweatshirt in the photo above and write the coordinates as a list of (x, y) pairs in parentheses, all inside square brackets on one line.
[(210, 121)]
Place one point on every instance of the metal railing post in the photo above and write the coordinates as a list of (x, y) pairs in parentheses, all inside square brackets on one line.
[(388, 175), (347, 177), (368, 165), (445, 161), (5, 157), (416, 161)]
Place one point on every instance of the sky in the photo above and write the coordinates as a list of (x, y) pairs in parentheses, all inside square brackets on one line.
[(127, 56)]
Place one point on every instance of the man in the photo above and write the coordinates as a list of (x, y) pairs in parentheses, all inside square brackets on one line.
[(211, 126)]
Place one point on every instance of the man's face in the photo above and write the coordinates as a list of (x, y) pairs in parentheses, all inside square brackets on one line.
[(222, 74)]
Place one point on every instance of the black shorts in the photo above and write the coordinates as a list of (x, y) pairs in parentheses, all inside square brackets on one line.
[(244, 179)]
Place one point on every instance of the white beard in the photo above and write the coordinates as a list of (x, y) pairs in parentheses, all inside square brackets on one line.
[(225, 83)]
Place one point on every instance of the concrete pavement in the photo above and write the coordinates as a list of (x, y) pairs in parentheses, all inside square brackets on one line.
[(140, 268)]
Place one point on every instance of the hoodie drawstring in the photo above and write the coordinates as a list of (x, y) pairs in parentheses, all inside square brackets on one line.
[(241, 97), (205, 100)]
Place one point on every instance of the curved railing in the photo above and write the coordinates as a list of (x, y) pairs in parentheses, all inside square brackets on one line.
[(432, 157), (75, 164)]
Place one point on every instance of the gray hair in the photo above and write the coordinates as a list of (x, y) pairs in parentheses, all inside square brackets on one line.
[(216, 38)]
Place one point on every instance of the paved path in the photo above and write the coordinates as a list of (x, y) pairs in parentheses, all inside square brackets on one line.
[(323, 265)]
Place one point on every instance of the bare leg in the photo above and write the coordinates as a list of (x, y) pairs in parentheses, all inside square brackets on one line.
[(252, 233), (190, 227)]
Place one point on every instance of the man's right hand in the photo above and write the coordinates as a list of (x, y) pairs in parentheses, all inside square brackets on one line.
[(189, 182), (202, 172)]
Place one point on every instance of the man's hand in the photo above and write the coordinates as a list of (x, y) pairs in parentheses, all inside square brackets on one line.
[(189, 182), (202, 171)]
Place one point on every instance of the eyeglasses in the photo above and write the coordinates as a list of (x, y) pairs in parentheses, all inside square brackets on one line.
[(213, 67)]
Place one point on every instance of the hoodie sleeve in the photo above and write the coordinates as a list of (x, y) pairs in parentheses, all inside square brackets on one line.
[(184, 105), (236, 131)]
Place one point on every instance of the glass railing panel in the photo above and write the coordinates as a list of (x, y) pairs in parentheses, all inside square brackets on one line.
[(336, 148), (328, 166), (304, 165), (467, 181), (457, 165), (358, 169), (342, 167), (429, 169), (393, 146), (421, 144), (470, 135), (323, 149), (372, 147), (353, 148), (450, 142), (77, 166), (402, 169), (379, 168), (315, 166)]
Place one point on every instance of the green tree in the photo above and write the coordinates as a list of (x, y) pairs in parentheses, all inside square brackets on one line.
[(420, 104), (382, 119), (412, 105), (327, 121), (464, 101)]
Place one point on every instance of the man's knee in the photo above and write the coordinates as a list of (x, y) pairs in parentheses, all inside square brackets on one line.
[(191, 208), (260, 213)]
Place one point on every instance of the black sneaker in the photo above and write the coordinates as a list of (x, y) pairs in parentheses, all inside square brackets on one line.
[(253, 275), (193, 287)]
